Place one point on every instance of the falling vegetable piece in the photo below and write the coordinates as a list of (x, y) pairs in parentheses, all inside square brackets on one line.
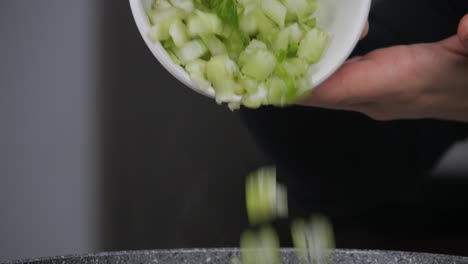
[(261, 247), (265, 198), (313, 239)]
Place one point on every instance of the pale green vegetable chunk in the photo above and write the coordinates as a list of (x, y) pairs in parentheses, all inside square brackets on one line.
[(259, 64), (295, 33), (301, 8), (274, 10), (221, 71), (313, 45), (201, 23), (186, 5), (260, 247), (281, 40), (190, 51), (178, 33), (313, 239), (196, 70), (263, 202), (215, 46), (163, 20)]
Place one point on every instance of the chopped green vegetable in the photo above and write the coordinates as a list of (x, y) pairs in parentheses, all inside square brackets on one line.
[(201, 23), (274, 10), (264, 203), (191, 51), (215, 46), (178, 33), (226, 10), (260, 247), (257, 52), (312, 239), (221, 71), (313, 45)]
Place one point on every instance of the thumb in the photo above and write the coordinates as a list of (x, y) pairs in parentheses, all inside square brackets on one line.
[(463, 31)]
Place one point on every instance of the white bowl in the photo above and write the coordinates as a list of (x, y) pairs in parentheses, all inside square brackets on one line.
[(344, 20)]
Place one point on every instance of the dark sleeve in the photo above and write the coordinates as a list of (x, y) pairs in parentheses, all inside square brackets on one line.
[(337, 159)]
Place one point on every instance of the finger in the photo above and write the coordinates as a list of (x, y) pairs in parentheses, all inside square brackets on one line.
[(362, 80), (365, 31), (342, 89), (463, 32)]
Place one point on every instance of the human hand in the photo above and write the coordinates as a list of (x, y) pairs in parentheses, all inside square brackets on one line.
[(403, 82)]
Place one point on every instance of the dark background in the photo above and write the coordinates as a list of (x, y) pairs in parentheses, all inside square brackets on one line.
[(101, 149)]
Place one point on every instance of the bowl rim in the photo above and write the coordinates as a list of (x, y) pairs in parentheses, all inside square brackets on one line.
[(158, 51)]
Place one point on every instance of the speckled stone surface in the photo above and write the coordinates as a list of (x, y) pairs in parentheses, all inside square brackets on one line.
[(223, 256)]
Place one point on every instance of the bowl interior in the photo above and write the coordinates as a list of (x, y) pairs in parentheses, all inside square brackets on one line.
[(344, 20)]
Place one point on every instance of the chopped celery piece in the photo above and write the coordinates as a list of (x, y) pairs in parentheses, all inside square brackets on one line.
[(158, 33), (284, 75), (257, 98), (221, 71), (234, 106), (282, 201), (228, 90), (281, 40), (201, 6), (259, 64), (292, 50), (277, 91), (186, 5), (260, 247), (168, 44), (281, 55), (163, 20), (304, 85), (261, 196), (312, 239), (166, 16), (268, 37), (256, 17), (295, 33), (301, 8), (234, 44), (190, 51), (250, 85), (313, 45), (178, 33), (197, 71), (248, 244), (295, 66), (256, 44), (215, 46), (227, 11), (173, 57), (201, 23), (248, 24), (160, 4), (201, 82), (275, 11), (311, 22)]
